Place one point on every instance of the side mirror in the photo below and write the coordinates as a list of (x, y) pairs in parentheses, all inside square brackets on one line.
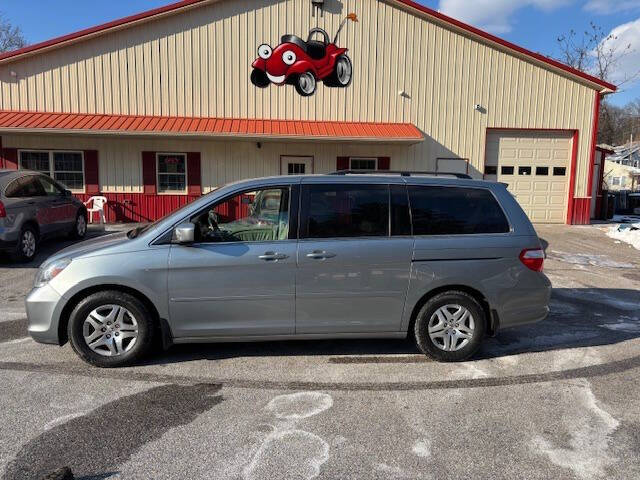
[(184, 234), (67, 193)]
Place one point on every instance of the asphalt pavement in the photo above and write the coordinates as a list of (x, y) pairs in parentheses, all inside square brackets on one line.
[(560, 399)]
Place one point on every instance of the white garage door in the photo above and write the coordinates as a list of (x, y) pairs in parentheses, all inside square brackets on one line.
[(536, 166)]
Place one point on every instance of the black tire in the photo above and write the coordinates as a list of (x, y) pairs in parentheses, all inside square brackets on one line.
[(421, 329), (306, 84), (143, 317), (22, 253), (335, 80), (76, 232), (259, 78)]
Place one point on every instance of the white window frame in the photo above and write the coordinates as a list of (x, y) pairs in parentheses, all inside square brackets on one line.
[(52, 170), (186, 174), (368, 159)]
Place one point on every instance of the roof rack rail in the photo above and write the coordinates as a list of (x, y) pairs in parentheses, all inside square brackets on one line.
[(402, 173)]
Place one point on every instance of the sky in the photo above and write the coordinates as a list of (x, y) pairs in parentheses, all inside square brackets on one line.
[(533, 24)]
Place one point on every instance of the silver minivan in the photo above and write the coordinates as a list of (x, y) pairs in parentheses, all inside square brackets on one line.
[(446, 261)]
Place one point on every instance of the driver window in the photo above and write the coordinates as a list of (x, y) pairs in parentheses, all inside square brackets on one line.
[(257, 216)]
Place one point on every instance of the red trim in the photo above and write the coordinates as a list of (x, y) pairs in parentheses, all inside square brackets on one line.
[(581, 211), (100, 28), (194, 175), (572, 178), (507, 44), (139, 207), (10, 158), (594, 144), (149, 173), (384, 163), (91, 172), (432, 13), (574, 158)]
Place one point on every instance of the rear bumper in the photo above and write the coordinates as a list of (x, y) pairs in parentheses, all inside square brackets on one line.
[(43, 307), (8, 245), (526, 305)]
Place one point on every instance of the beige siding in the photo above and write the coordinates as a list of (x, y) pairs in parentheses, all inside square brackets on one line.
[(198, 63), (222, 162)]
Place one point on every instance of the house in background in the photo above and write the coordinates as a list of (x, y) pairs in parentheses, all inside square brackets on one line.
[(628, 154), (158, 108), (618, 177)]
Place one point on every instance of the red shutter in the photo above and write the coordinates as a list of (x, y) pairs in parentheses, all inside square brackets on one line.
[(343, 163), (384, 163), (91, 175), (193, 174), (10, 158), (149, 172)]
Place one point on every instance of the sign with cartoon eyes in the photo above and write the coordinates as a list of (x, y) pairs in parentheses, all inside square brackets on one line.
[(304, 63)]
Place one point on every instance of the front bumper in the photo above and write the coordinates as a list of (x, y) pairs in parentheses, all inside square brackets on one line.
[(44, 306)]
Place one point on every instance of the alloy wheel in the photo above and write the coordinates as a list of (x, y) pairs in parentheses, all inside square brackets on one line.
[(110, 330), (28, 244), (451, 327), (81, 226)]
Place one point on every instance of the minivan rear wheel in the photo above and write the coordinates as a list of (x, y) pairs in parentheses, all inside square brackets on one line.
[(450, 327), (111, 329)]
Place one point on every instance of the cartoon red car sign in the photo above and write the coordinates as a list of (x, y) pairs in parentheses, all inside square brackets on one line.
[(304, 63)]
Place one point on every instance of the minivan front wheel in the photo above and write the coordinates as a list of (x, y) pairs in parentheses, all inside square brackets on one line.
[(111, 329), (450, 327)]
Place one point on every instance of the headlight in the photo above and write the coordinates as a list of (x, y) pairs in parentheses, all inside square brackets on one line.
[(49, 271)]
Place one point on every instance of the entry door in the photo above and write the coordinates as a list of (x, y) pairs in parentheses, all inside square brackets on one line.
[(352, 276), (536, 166), (238, 278), (290, 165)]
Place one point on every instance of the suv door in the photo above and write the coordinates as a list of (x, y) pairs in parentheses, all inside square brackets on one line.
[(62, 208), (238, 278), (32, 203), (352, 274)]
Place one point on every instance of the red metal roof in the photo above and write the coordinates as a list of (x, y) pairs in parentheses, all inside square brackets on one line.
[(123, 22), (206, 127)]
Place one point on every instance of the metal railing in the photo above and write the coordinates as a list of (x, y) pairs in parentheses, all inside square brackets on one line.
[(403, 173)]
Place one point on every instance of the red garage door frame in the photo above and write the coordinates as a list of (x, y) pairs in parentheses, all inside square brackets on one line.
[(574, 204)]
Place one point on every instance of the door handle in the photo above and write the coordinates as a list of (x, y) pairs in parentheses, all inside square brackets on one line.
[(320, 255), (273, 256)]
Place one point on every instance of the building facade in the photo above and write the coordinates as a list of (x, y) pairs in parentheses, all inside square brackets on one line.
[(156, 109)]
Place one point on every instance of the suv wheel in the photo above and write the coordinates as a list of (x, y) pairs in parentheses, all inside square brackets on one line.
[(111, 329), (27, 246), (80, 226), (450, 327)]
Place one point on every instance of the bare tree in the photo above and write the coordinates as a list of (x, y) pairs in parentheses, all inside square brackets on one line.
[(600, 54), (11, 37), (596, 52)]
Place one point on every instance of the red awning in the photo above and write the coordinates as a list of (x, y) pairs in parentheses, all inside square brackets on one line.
[(81, 123)]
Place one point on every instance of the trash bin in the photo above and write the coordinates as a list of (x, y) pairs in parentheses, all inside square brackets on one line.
[(611, 207)]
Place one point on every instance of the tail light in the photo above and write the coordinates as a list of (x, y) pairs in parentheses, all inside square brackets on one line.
[(3, 211), (533, 259)]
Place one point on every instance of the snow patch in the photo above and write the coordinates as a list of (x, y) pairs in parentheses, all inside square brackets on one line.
[(584, 259), (628, 233), (590, 428), (422, 448), (300, 405)]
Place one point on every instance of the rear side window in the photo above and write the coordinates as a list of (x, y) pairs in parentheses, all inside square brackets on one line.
[(25, 187), (333, 211), (455, 211)]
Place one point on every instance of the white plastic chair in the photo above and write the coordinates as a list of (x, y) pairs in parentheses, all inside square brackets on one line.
[(97, 206)]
